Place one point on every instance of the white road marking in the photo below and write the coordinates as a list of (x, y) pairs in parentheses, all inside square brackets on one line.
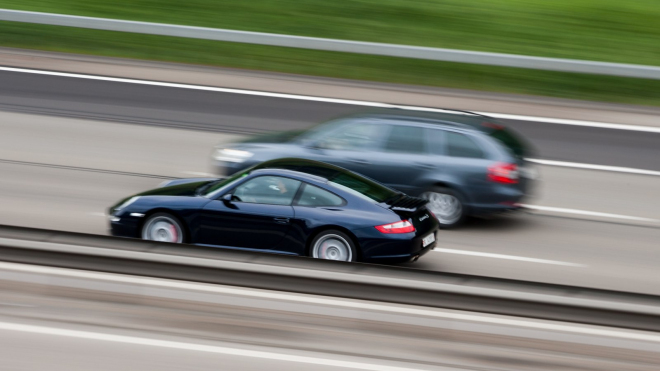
[(197, 347), (96, 213), (551, 120), (353, 304), (584, 212), (594, 167), (507, 257), (16, 305), (594, 124)]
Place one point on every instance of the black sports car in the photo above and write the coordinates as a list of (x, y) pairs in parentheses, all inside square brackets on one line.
[(286, 206)]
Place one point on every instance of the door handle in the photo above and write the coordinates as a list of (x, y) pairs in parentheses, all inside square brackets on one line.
[(358, 161), (281, 220)]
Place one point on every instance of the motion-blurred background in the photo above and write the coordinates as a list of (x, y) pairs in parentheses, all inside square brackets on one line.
[(72, 145)]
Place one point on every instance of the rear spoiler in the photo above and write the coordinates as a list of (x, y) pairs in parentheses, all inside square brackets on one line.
[(406, 203)]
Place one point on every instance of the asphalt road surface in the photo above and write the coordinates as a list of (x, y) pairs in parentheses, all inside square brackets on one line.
[(194, 109), (70, 148), (52, 320)]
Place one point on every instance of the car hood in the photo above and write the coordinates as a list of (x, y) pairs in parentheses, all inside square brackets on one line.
[(181, 188)]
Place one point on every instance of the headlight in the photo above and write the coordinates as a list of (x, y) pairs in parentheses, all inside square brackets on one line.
[(231, 155), (125, 204)]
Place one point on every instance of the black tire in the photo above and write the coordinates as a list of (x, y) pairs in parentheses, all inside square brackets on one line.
[(333, 249), (447, 205), (163, 227)]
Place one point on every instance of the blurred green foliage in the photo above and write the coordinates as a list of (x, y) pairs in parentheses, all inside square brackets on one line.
[(609, 30), (585, 29)]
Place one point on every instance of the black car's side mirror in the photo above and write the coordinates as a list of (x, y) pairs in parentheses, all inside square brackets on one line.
[(227, 198)]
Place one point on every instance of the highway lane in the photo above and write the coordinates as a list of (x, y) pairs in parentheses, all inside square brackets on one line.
[(59, 322), (213, 111), (62, 173)]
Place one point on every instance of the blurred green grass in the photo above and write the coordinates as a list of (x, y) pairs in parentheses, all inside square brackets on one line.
[(604, 30), (608, 30)]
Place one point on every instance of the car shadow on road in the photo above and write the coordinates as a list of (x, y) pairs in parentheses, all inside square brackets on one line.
[(510, 223)]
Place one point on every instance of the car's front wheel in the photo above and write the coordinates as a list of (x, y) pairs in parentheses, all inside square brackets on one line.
[(446, 204), (162, 227), (333, 245)]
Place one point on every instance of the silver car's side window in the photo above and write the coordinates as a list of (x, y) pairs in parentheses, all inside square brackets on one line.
[(435, 140), (406, 139), (352, 137), (461, 145)]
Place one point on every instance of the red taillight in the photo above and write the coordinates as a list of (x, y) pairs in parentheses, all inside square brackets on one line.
[(503, 173), (403, 226)]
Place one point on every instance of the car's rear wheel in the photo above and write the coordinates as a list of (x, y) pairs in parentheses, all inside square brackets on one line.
[(333, 245), (446, 204), (162, 227)]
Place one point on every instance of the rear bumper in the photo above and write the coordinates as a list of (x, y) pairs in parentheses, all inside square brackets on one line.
[(394, 248), (501, 198)]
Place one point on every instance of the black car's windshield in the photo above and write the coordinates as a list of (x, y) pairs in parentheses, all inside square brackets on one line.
[(209, 188), (363, 187)]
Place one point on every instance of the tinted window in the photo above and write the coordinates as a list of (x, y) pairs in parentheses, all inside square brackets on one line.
[(362, 187), (315, 196), (436, 140), (354, 136), (459, 145), (338, 177), (510, 140), (272, 190), (208, 189), (407, 139)]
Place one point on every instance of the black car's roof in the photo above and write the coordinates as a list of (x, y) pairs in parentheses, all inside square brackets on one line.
[(314, 170), (296, 174), (326, 173)]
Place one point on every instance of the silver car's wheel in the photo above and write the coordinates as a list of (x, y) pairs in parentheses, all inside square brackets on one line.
[(447, 207), (332, 246), (162, 228)]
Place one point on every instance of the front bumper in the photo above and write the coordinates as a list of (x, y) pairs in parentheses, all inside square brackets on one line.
[(124, 226)]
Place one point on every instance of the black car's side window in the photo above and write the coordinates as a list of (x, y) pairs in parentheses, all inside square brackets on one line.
[(406, 139), (461, 145), (315, 196), (271, 190)]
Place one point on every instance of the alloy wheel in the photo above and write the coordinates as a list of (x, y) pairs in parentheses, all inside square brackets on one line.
[(447, 208), (162, 229), (332, 247)]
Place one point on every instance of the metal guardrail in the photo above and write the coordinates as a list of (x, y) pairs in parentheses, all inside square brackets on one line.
[(312, 276), (359, 47)]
